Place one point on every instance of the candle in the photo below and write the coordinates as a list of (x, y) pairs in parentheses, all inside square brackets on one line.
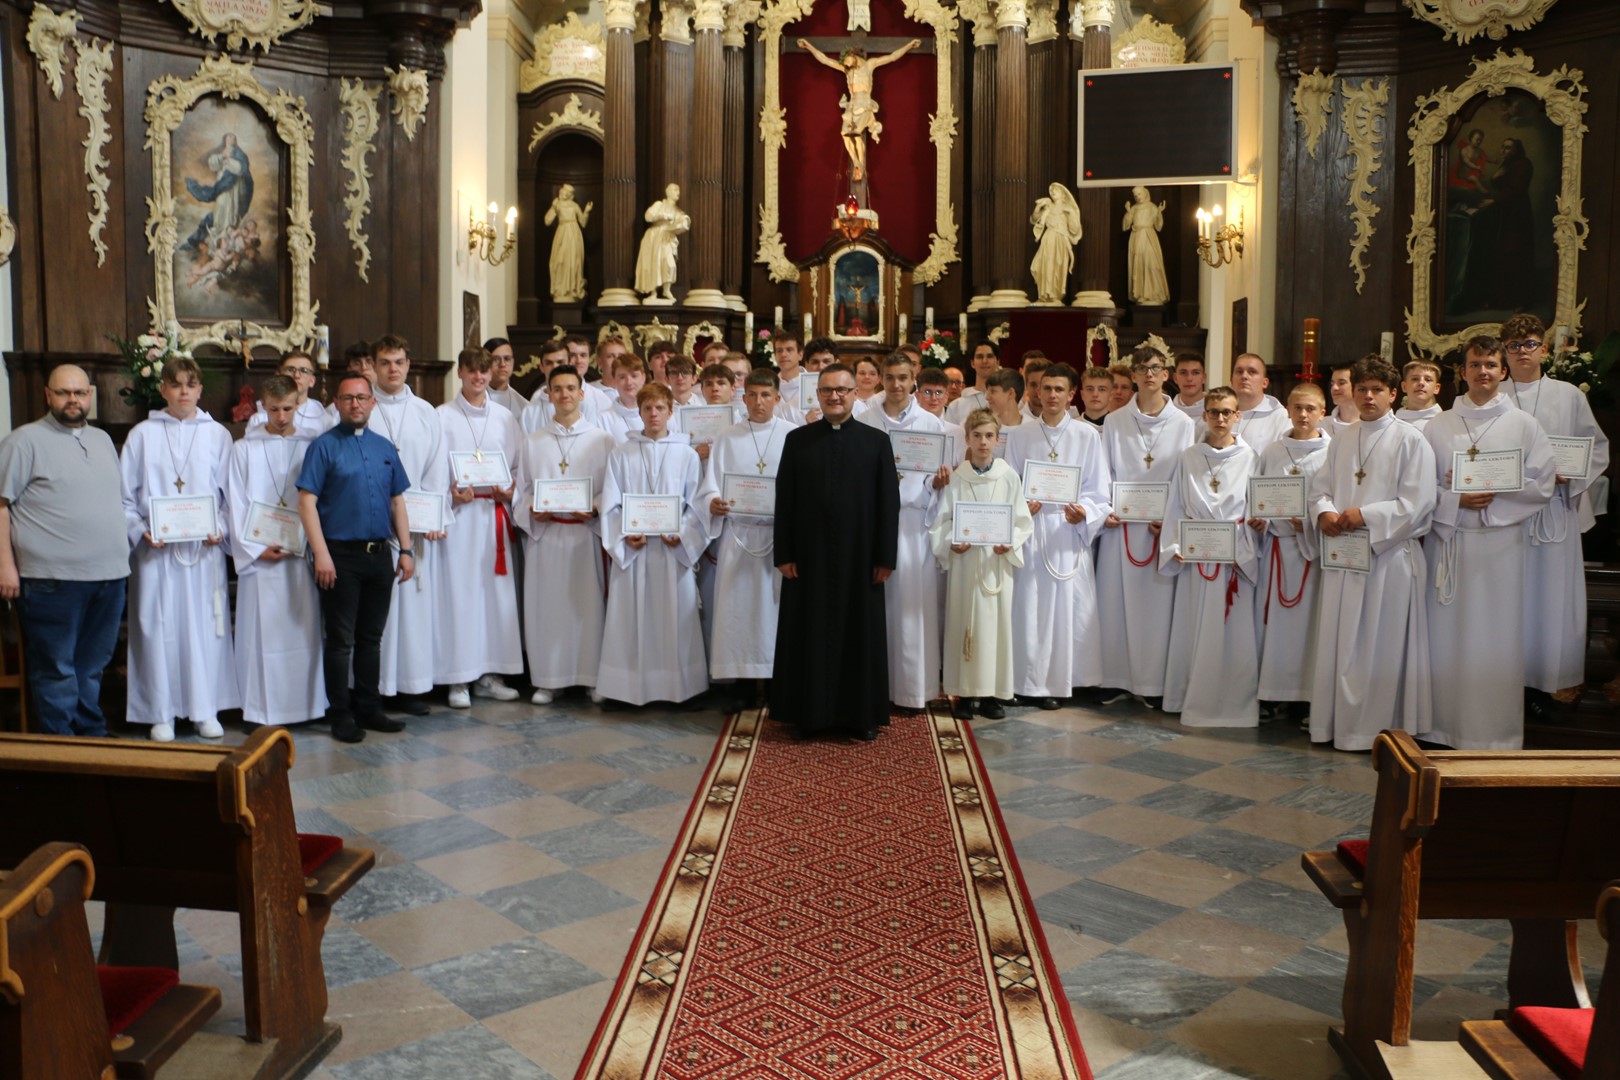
[(323, 346), (1313, 329), (928, 318), (493, 210), (809, 332), (1560, 337), (778, 320), (748, 330), (961, 326), (1386, 345)]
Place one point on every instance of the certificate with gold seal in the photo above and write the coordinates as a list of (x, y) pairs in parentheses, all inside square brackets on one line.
[(1140, 501), (480, 469), (749, 494), (563, 495), (1574, 454), (424, 511), (172, 519), (1209, 541), (1276, 497), (1487, 472), (1051, 483), (1350, 551), (275, 526), (651, 515), (982, 524)]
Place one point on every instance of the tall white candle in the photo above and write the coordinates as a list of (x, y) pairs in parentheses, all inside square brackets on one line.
[(809, 331), (1386, 345), (905, 329), (778, 319), (748, 330), (928, 318), (961, 329)]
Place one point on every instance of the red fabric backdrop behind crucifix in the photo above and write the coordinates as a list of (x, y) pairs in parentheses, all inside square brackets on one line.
[(815, 169)]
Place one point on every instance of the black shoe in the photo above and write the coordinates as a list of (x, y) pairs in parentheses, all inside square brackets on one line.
[(991, 709), (409, 704), (1046, 704), (867, 734), (346, 731), (1156, 702), (382, 723), (963, 708)]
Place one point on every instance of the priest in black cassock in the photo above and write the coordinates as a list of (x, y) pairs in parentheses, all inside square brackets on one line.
[(837, 520)]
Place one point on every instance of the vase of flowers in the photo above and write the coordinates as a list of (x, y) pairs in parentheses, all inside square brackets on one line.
[(1586, 370), (762, 350), (144, 360), (939, 347)]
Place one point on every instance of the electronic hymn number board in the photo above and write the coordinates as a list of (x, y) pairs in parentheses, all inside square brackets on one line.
[(1168, 125)]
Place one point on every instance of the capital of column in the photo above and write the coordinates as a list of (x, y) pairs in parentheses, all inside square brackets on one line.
[(1042, 20), (1096, 13), (677, 22), (1012, 14), (709, 15), (621, 14), (984, 21), (740, 15)]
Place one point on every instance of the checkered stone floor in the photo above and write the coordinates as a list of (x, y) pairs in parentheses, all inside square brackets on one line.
[(517, 846)]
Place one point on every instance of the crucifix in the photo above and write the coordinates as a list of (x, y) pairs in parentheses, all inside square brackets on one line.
[(1361, 474), (859, 108), (244, 341)]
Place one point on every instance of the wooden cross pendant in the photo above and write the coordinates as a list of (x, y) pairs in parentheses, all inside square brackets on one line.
[(1473, 452), (180, 485), (1361, 474)]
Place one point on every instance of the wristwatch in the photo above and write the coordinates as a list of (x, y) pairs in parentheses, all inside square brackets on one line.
[(407, 551)]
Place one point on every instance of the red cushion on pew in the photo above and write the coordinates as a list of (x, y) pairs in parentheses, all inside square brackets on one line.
[(315, 848), (1558, 1035), (127, 992), (1353, 853)]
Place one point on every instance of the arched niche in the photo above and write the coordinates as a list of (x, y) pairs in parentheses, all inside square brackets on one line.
[(563, 146)]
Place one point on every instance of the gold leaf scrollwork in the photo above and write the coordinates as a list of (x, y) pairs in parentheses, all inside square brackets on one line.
[(773, 136), (90, 79), (361, 122), (1000, 333), (657, 330), (49, 35), (1106, 333), (585, 39), (1468, 20), (573, 115), (1364, 107), (272, 20), (167, 101), (409, 89), (1313, 101), (1562, 94), (942, 242), (696, 330)]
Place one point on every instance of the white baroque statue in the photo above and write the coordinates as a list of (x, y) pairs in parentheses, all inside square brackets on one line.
[(1056, 222), (655, 263), (568, 245), (1144, 258), (859, 108)]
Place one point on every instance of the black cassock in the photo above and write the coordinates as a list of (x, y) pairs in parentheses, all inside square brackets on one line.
[(837, 517)]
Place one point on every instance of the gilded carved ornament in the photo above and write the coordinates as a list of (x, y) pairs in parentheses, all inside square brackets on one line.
[(1042, 21), (49, 35), (621, 14), (1313, 101), (256, 23), (1106, 333), (657, 330), (409, 89), (573, 115), (773, 136), (1096, 13), (703, 329), (1465, 20), (942, 242), (983, 19), (167, 101), (1561, 93), (90, 79), (613, 329), (8, 236), (570, 49), (709, 15), (740, 14), (1011, 14), (1149, 41), (1000, 333), (676, 25), (361, 121), (1364, 108)]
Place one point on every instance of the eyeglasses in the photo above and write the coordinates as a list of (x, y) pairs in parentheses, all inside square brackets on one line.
[(1150, 369), (1221, 414), (1522, 346), (352, 399), (835, 391), (298, 371)]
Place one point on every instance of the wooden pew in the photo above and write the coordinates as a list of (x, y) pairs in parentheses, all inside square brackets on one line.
[(1527, 836), (208, 827), (1505, 1054), (61, 1018)]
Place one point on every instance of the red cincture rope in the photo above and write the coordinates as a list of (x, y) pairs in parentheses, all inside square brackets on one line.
[(1275, 576), (1231, 586), (1134, 560), (502, 522)]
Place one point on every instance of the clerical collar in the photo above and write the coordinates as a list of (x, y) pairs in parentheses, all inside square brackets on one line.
[(836, 427)]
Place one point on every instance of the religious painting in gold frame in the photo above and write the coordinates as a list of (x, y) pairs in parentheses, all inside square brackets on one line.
[(856, 297), (1548, 106)]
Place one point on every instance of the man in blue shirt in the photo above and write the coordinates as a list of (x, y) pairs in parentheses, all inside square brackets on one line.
[(351, 498)]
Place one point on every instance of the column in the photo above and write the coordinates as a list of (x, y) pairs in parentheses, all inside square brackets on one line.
[(1008, 267), (982, 149), (1096, 19), (1046, 87), (619, 212), (707, 152), (734, 211), (670, 111)]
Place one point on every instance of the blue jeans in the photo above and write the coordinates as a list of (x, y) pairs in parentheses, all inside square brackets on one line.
[(71, 628)]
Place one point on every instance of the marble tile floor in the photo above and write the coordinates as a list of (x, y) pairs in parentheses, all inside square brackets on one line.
[(517, 846)]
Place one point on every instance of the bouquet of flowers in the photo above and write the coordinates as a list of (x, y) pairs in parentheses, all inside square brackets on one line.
[(762, 350), (1586, 370), (144, 359), (939, 348)]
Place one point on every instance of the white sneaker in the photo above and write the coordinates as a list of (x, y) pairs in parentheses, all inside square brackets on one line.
[(210, 729), (493, 686), (597, 699), (162, 733), (1113, 697), (459, 697), (541, 697)]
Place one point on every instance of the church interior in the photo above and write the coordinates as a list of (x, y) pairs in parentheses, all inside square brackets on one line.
[(1308, 181)]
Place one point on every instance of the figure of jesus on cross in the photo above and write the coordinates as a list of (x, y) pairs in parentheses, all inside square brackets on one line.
[(860, 111)]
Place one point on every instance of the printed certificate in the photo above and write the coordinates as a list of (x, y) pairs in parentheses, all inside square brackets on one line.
[(1348, 551), (1052, 483), (1491, 471), (808, 381), (174, 518), (472, 469), (747, 494), (1140, 501), (982, 524), (918, 451), (424, 510), (563, 496), (1209, 541), (1276, 496), (1574, 454), (705, 423), (651, 515), (275, 526)]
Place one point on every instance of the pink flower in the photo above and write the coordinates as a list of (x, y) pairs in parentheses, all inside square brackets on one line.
[(949, 334), (764, 335)]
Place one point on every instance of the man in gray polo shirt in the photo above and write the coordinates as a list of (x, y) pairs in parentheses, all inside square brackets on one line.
[(64, 553)]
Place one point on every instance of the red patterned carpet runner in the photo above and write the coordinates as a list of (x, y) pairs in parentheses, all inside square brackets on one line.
[(836, 909)]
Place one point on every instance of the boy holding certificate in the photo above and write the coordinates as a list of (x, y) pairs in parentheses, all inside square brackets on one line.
[(1289, 581), (1371, 501), (1142, 444), (563, 583), (933, 392), (720, 388), (747, 583), (1496, 471), (478, 614), (180, 659), (1212, 673), (278, 609), (652, 641), (1056, 640), (1554, 579), (914, 591), (979, 561), (1421, 383)]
